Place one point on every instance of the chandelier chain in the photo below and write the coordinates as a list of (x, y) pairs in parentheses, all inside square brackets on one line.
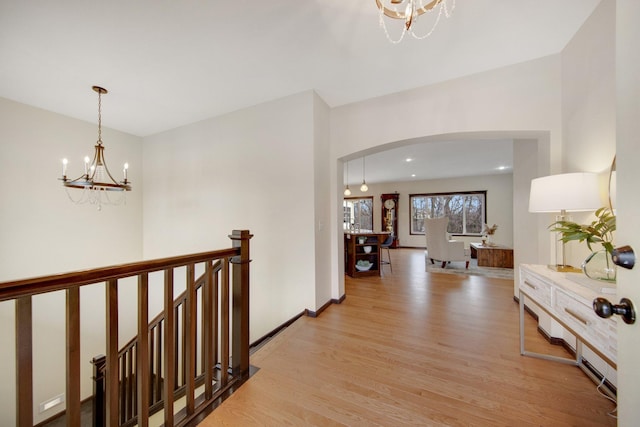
[(100, 117)]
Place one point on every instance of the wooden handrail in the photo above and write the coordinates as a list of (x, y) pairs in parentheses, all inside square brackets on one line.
[(158, 354), (43, 284)]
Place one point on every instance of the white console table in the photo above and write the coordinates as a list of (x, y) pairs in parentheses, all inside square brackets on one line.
[(568, 298)]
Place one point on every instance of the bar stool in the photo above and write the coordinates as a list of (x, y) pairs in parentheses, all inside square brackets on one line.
[(386, 245)]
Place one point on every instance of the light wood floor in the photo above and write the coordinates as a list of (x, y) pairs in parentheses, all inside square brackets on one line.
[(413, 348)]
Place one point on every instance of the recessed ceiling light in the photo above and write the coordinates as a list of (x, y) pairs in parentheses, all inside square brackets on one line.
[(413, 175), (408, 159), (501, 168)]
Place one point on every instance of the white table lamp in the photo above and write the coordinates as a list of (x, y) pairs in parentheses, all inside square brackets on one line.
[(568, 192)]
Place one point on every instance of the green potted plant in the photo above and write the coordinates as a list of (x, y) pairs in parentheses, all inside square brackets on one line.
[(600, 231)]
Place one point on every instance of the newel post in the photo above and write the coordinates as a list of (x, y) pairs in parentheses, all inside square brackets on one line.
[(240, 333), (99, 397)]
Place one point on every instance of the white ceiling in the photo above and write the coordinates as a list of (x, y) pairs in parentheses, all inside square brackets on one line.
[(167, 63), (432, 160)]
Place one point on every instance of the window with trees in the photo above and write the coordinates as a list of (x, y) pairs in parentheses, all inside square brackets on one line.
[(358, 213), (466, 211)]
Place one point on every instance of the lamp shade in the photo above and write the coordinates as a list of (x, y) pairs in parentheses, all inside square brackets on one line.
[(571, 192)]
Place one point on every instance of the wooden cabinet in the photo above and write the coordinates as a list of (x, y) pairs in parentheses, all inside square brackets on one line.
[(389, 218), (362, 247)]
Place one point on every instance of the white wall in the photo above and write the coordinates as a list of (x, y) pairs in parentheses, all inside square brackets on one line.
[(589, 94), (252, 169), (42, 233), (519, 101), (522, 97), (323, 211), (527, 231), (499, 203), (588, 106)]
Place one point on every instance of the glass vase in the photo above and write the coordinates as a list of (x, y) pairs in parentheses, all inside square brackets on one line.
[(600, 266)]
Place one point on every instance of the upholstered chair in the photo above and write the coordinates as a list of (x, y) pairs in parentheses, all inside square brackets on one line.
[(440, 247)]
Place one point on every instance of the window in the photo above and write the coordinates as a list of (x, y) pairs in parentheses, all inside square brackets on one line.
[(467, 211), (358, 212)]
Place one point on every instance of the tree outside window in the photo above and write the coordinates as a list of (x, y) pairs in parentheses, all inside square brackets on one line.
[(358, 213), (466, 211)]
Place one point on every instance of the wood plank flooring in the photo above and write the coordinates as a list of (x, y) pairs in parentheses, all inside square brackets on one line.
[(413, 348)]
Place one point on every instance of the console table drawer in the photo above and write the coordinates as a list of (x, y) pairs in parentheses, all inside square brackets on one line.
[(579, 317), (584, 321), (539, 290)]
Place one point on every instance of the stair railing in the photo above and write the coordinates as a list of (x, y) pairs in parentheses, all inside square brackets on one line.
[(225, 321), (127, 358)]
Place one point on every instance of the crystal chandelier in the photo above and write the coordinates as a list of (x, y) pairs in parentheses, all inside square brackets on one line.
[(96, 182), (409, 11)]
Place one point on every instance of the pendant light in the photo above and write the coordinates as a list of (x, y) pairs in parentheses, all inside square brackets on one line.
[(364, 187), (347, 191)]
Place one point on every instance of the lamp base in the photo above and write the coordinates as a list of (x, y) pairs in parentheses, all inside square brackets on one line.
[(564, 268)]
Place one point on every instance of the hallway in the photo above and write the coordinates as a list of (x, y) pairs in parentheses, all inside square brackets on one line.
[(414, 348)]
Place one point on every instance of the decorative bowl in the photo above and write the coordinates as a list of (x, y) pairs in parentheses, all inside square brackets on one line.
[(366, 249), (363, 265)]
